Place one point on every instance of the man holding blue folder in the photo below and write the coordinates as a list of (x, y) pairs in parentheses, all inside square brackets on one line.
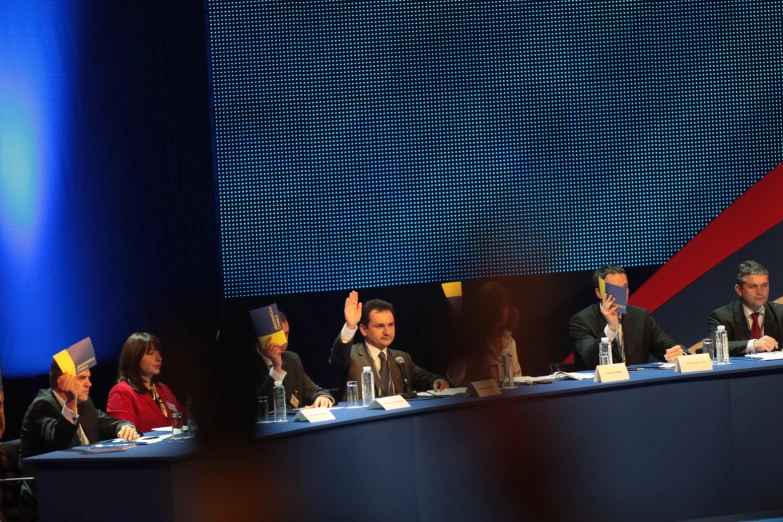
[(634, 334)]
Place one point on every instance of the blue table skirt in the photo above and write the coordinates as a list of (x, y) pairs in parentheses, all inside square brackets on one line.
[(662, 446)]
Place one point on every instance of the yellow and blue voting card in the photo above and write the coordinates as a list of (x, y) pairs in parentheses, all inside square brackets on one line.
[(620, 294), (266, 321), (77, 358)]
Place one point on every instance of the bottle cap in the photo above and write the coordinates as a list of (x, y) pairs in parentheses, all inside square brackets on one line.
[(278, 383), (366, 368), (721, 327), (604, 339)]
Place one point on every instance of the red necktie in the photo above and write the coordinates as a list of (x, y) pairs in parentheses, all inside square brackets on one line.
[(755, 329)]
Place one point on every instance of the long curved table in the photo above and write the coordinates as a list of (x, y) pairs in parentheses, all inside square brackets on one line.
[(662, 446)]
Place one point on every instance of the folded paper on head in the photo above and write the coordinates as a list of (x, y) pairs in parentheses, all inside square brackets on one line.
[(77, 358), (453, 292), (266, 321), (620, 294)]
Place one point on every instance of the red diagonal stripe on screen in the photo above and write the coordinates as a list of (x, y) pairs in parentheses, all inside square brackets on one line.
[(753, 213)]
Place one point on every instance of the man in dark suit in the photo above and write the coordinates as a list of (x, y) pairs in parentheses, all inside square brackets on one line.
[(376, 321), (752, 322), (62, 417), (276, 363), (633, 341)]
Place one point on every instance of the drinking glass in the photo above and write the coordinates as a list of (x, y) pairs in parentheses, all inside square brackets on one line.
[(176, 426), (353, 394), (263, 409)]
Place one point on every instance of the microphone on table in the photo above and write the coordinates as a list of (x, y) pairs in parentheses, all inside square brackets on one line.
[(401, 363)]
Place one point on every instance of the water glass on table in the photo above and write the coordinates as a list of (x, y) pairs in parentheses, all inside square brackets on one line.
[(352, 391), (708, 347), (176, 426), (263, 410)]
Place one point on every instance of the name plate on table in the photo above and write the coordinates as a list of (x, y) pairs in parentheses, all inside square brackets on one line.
[(611, 373), (395, 402), (485, 388), (314, 415), (693, 363)]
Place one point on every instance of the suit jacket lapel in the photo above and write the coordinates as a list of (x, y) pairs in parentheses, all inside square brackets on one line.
[(770, 322)]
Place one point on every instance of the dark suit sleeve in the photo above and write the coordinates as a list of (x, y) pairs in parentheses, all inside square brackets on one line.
[(659, 340), (310, 390), (720, 317), (265, 385), (422, 379), (584, 341), (108, 426), (340, 356), (48, 427)]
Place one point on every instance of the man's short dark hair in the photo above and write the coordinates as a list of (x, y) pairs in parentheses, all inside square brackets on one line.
[(374, 305), (747, 268), (604, 271), (54, 374), (282, 316)]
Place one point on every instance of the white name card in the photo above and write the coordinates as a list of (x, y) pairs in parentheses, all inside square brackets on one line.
[(314, 415), (485, 388), (395, 402), (611, 373), (693, 363)]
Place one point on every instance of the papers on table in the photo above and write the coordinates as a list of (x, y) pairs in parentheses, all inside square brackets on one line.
[(525, 379), (766, 356), (147, 439), (445, 393), (579, 376)]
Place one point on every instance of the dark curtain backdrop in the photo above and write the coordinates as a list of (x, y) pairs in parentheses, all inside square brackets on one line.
[(108, 202)]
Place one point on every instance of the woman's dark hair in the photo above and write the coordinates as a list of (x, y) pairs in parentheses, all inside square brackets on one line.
[(136, 347), (486, 306)]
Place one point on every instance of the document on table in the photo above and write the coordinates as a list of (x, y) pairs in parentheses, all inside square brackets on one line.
[(147, 439), (766, 356), (530, 380), (579, 376), (445, 393)]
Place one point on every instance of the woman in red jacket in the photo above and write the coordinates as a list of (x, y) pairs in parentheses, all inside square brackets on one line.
[(139, 396)]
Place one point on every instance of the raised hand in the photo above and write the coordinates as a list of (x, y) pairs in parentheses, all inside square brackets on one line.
[(69, 385), (353, 310)]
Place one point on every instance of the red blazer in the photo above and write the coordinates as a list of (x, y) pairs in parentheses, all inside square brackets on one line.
[(140, 408)]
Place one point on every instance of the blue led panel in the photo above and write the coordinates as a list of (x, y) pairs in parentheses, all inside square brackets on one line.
[(364, 144)]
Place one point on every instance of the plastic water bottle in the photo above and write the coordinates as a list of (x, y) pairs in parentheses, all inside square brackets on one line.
[(279, 395), (191, 422), (507, 364), (368, 386), (604, 351), (722, 346)]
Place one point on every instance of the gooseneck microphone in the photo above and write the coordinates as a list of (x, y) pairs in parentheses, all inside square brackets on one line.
[(401, 363)]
